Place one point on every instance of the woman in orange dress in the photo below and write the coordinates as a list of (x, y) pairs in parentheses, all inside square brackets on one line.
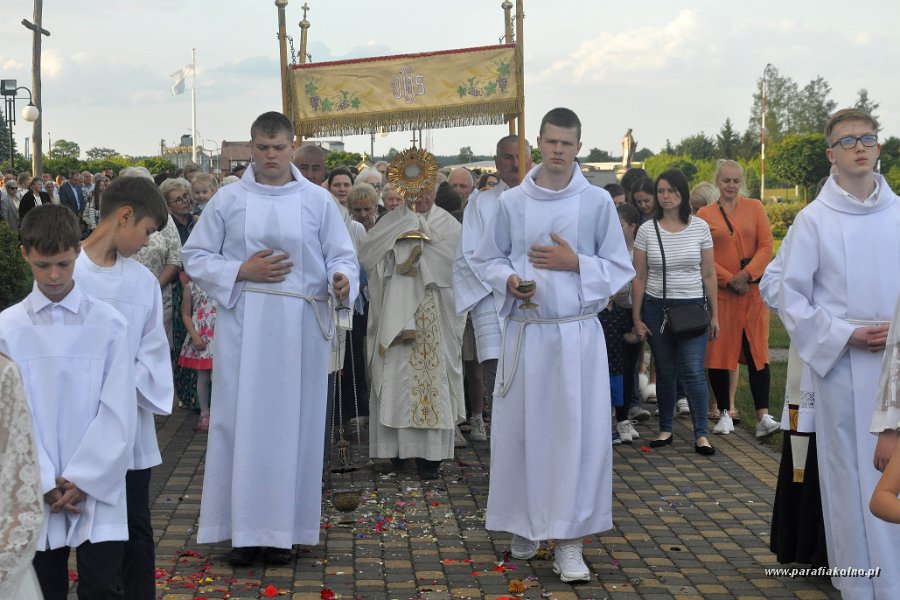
[(742, 241)]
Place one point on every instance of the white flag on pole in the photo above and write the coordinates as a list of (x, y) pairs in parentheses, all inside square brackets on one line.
[(183, 79)]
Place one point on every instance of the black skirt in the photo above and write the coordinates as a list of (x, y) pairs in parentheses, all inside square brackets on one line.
[(798, 528)]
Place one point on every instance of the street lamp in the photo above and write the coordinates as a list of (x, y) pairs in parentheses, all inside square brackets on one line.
[(217, 154), (762, 162), (30, 113)]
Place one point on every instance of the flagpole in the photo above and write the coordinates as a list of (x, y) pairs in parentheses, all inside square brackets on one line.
[(194, 106)]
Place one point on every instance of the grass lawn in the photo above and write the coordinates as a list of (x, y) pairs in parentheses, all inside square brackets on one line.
[(778, 337)]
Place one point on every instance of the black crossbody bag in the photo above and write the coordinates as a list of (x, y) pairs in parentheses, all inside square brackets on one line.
[(737, 242), (684, 321)]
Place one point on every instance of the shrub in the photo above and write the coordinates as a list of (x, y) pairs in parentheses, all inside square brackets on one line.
[(15, 276), (781, 215)]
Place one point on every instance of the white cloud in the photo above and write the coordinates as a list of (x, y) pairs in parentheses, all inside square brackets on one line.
[(639, 49), (51, 63), (12, 65)]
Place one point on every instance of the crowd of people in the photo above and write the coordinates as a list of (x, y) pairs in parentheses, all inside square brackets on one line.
[(514, 306)]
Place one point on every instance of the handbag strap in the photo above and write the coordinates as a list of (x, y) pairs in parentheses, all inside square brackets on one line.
[(734, 237), (662, 253)]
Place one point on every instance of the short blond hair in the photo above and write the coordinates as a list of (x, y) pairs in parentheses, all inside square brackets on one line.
[(362, 191), (848, 114)]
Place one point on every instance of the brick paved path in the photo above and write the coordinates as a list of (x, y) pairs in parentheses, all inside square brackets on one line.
[(685, 527)]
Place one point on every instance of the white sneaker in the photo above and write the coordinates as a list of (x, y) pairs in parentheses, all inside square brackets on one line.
[(628, 427), (478, 432), (766, 426), (682, 408), (624, 434), (522, 548), (637, 413), (568, 562), (725, 424), (648, 393), (459, 440)]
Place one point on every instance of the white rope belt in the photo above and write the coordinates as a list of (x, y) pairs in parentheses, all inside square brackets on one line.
[(327, 332), (867, 322), (506, 381)]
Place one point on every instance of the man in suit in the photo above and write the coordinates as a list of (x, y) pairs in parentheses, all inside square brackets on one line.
[(72, 196)]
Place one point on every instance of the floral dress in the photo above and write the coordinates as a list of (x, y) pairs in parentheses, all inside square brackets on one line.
[(204, 319)]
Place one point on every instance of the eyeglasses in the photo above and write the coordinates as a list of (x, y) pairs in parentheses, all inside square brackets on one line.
[(179, 200), (491, 183), (849, 142), (12, 187)]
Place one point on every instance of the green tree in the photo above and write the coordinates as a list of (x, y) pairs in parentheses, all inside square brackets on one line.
[(65, 149), (15, 276), (643, 154), (62, 165), (728, 141), (342, 159), (536, 155), (4, 143), (465, 155), (157, 164), (890, 154), (812, 107), (699, 146), (100, 153), (664, 161), (799, 159), (781, 92), (864, 104), (893, 177), (392, 154), (598, 155)]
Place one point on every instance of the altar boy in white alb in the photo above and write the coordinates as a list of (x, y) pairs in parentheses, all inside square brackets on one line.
[(268, 249), (78, 376), (840, 284), (551, 463)]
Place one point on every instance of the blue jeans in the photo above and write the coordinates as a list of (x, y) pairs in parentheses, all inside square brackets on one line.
[(677, 360)]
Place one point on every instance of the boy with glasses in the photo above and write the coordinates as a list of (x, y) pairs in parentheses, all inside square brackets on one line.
[(837, 312)]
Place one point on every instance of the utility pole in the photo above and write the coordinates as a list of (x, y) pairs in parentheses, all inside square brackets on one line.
[(37, 156)]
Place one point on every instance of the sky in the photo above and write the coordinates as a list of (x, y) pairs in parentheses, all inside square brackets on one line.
[(664, 69)]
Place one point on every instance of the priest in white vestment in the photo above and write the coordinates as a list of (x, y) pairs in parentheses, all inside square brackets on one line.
[(551, 452), (840, 284), (268, 250), (414, 334)]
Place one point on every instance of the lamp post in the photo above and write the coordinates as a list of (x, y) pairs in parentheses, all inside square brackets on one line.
[(762, 161), (217, 154), (30, 113)]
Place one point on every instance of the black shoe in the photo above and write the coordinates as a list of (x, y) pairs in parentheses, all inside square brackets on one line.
[(428, 469), (243, 557), (661, 443), (279, 556), (395, 465), (704, 450)]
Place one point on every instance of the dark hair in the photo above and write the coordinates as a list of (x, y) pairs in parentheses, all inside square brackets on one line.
[(482, 181), (677, 180), (447, 198), (50, 229), (339, 171), (645, 185), (141, 194), (631, 176), (614, 189), (271, 124), (562, 117), (629, 214), (74, 173)]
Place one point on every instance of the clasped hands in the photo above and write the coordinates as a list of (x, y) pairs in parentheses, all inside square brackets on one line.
[(559, 257), (65, 497), (267, 267), (740, 283)]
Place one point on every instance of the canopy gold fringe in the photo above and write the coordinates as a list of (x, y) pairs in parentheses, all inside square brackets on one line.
[(492, 113)]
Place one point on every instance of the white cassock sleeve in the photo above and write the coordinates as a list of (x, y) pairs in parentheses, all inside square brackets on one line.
[(820, 338), (491, 259), (153, 364), (468, 289), (104, 454), (337, 250), (203, 259), (609, 269)]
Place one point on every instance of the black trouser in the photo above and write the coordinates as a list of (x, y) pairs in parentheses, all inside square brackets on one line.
[(759, 381), (139, 564), (629, 380), (99, 571)]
